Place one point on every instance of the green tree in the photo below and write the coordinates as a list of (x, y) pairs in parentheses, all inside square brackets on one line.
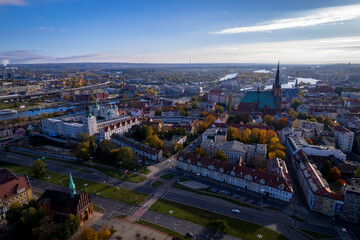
[(126, 156), (194, 105), (326, 168), (357, 172), (83, 154), (219, 225), (221, 155), (72, 224), (219, 109), (38, 168), (200, 151), (13, 215), (269, 120), (295, 104)]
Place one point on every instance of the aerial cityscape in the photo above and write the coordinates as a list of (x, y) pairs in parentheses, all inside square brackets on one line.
[(154, 120)]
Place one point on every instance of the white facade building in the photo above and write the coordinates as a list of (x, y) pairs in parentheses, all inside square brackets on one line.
[(344, 138)]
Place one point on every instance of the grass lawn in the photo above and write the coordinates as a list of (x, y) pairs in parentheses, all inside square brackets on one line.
[(176, 185), (121, 216), (156, 184), (316, 235), (297, 218), (167, 176), (237, 227), (133, 177), (182, 179), (104, 190), (160, 228), (98, 208), (272, 208)]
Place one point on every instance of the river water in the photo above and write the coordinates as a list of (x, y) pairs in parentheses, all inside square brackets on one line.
[(34, 112)]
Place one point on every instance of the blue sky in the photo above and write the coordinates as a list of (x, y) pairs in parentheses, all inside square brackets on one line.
[(156, 31)]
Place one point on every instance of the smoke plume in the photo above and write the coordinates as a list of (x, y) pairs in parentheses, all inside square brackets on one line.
[(5, 62)]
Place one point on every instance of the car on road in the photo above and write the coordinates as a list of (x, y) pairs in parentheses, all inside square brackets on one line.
[(236, 196), (189, 235), (236, 211), (259, 203)]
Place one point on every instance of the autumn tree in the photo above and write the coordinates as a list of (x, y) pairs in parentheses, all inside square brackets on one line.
[(281, 123), (357, 172), (154, 141), (295, 104), (268, 120), (221, 155), (200, 151), (309, 141), (88, 234), (104, 234), (334, 174)]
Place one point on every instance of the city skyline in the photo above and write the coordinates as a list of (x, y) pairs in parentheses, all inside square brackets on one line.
[(54, 31)]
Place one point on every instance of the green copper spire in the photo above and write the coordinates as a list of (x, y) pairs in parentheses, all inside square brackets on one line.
[(72, 187)]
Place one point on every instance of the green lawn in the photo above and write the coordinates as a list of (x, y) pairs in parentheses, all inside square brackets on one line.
[(237, 227), (160, 228), (316, 235), (98, 208), (167, 176), (76, 168), (156, 184), (104, 190), (133, 177), (182, 179), (203, 192)]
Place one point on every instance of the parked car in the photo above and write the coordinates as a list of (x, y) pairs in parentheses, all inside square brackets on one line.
[(189, 235), (236, 211)]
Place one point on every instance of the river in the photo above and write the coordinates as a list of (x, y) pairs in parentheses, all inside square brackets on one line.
[(291, 84), (34, 112)]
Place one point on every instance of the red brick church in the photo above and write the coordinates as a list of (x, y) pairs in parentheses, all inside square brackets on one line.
[(59, 205), (265, 102)]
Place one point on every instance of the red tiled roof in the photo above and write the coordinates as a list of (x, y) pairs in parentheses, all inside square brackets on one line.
[(272, 180), (10, 184)]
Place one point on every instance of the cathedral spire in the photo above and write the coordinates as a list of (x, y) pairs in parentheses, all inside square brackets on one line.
[(277, 79), (72, 187)]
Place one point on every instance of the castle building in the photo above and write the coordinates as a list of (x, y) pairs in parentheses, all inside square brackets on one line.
[(265, 102), (59, 205)]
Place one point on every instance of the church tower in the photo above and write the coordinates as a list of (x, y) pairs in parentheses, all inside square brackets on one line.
[(277, 85), (72, 187)]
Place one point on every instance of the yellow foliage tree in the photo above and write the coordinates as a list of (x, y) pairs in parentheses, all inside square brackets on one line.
[(104, 234), (88, 234)]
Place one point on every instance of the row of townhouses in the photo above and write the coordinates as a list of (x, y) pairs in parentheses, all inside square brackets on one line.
[(273, 185)]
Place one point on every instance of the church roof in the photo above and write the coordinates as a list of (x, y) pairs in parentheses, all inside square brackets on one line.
[(265, 98)]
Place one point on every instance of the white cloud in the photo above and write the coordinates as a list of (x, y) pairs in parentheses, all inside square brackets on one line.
[(43, 28), (314, 51), (318, 17), (13, 3)]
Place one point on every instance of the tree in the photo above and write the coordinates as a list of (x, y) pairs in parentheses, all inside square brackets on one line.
[(271, 154), (309, 141), (326, 168), (13, 215), (268, 120), (88, 234), (334, 174), (219, 109), (38, 168), (295, 104), (202, 126), (255, 135), (357, 172), (178, 147), (221, 155), (83, 154), (154, 141), (104, 234), (194, 105), (219, 225), (200, 151), (210, 119), (281, 123), (280, 154)]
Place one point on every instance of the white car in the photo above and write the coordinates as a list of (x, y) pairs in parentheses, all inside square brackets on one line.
[(236, 211)]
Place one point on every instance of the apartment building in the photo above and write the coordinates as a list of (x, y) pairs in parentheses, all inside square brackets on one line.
[(351, 210), (318, 194), (344, 138), (268, 184)]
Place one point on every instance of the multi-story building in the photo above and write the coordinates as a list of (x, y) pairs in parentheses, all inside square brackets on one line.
[(269, 184), (234, 150), (317, 192), (137, 147), (295, 144), (344, 138), (216, 134), (13, 189), (314, 126), (351, 210)]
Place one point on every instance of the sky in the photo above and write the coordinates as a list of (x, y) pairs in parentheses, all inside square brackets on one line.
[(175, 31)]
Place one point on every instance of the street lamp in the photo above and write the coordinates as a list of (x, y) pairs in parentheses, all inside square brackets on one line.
[(85, 185), (48, 178), (120, 168), (198, 175), (262, 195), (171, 212)]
